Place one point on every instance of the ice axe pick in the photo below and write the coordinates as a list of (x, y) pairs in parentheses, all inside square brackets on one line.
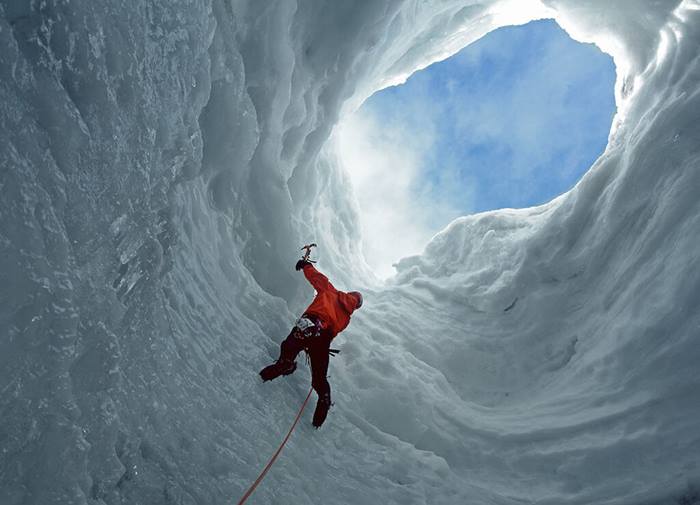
[(307, 253)]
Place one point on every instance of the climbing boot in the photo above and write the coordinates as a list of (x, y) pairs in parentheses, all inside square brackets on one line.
[(322, 406), (280, 367)]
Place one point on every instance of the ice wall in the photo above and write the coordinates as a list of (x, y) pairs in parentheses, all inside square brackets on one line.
[(160, 163)]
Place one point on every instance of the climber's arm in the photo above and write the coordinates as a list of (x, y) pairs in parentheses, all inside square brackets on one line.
[(319, 281)]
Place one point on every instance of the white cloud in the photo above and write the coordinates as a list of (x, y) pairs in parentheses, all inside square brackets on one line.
[(400, 208)]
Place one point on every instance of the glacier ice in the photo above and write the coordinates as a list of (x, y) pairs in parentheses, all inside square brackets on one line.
[(162, 161)]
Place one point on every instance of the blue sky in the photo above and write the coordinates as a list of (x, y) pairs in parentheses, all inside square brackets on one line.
[(513, 120)]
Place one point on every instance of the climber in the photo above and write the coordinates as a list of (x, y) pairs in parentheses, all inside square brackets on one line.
[(328, 315)]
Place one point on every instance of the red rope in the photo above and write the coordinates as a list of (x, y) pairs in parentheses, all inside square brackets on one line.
[(274, 456)]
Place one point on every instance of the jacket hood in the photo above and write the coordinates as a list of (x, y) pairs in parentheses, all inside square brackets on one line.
[(349, 301)]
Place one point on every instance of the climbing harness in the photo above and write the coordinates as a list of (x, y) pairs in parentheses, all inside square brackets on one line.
[(277, 453), (307, 327)]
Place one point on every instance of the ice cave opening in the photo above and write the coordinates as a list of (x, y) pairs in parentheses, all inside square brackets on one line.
[(512, 120)]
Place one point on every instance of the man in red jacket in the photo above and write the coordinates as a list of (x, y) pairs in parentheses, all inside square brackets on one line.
[(327, 316)]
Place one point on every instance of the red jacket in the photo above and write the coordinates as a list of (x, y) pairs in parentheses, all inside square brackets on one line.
[(331, 306)]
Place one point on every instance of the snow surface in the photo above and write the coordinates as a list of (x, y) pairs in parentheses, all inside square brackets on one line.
[(161, 163)]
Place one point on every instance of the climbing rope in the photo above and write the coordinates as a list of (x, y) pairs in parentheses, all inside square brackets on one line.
[(274, 456)]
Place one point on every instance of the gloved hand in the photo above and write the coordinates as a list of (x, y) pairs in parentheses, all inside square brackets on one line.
[(301, 264)]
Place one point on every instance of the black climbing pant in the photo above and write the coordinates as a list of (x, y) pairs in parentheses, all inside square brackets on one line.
[(317, 347)]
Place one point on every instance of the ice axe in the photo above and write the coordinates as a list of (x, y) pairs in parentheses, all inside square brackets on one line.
[(307, 254)]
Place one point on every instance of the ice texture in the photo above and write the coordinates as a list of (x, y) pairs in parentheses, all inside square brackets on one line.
[(161, 163)]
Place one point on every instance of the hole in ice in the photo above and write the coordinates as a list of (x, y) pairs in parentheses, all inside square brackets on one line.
[(513, 120)]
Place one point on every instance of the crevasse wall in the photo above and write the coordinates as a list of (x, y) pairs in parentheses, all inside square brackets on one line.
[(161, 162)]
